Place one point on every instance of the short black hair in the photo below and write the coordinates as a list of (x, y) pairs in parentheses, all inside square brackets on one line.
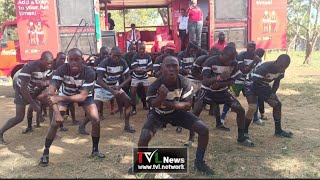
[(230, 49), (260, 51), (60, 54), (215, 50), (285, 58), (104, 48), (232, 44), (170, 58), (131, 45), (75, 50), (46, 54), (116, 48)]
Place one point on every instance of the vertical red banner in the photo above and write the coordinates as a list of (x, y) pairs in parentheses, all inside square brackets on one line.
[(37, 27), (269, 23)]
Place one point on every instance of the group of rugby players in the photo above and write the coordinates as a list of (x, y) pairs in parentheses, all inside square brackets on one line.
[(186, 83)]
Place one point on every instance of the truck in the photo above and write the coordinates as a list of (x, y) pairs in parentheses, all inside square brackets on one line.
[(58, 25)]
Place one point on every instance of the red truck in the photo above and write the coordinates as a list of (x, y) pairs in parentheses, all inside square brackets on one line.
[(55, 25)]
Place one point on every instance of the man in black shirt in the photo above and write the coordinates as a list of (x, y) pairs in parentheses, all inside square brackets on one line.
[(28, 87), (141, 65), (257, 85), (170, 99), (169, 50), (218, 73), (76, 81), (104, 54), (195, 77), (247, 60), (60, 59), (111, 22), (188, 57)]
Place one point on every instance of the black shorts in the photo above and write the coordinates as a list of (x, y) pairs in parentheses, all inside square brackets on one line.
[(219, 97), (183, 119), (19, 99), (263, 92)]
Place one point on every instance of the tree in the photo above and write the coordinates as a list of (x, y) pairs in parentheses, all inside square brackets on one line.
[(7, 10), (303, 18), (141, 17)]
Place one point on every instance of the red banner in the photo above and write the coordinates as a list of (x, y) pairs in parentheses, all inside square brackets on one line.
[(37, 27), (269, 23)]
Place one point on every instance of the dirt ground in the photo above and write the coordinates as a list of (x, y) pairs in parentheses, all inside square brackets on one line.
[(298, 157)]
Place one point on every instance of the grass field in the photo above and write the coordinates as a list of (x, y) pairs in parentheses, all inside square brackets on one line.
[(298, 157)]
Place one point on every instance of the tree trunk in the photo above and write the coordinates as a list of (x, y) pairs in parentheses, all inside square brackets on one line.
[(308, 54), (292, 44), (164, 15), (308, 34)]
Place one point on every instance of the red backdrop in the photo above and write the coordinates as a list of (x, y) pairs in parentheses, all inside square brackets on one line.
[(37, 27), (269, 23)]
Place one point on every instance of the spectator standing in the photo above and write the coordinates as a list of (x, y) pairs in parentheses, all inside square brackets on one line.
[(195, 22), (183, 28), (111, 22)]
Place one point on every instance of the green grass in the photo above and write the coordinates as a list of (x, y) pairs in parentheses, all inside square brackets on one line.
[(297, 57)]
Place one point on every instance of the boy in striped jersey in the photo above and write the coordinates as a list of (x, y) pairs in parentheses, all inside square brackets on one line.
[(257, 85), (196, 72), (169, 50), (187, 58), (109, 73), (60, 59), (141, 65), (76, 81), (170, 99), (28, 88), (218, 73), (247, 60)]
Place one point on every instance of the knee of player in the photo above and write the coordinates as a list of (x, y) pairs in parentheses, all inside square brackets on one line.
[(201, 128), (19, 118), (54, 125), (145, 136), (278, 104), (275, 104), (95, 121), (239, 109)]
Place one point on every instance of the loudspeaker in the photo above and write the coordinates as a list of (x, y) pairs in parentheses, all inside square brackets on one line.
[(109, 39)]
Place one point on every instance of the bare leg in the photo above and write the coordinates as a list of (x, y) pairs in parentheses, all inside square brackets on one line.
[(20, 113), (133, 91)]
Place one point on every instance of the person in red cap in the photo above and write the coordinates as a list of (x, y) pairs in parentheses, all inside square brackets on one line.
[(169, 50)]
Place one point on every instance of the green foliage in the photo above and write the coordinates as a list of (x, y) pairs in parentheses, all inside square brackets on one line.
[(7, 10), (140, 17)]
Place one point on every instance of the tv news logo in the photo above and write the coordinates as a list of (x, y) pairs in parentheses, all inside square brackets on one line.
[(156, 160)]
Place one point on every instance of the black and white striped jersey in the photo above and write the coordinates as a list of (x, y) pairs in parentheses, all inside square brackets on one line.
[(69, 84), (143, 62), (197, 64), (33, 73), (181, 92), (213, 67), (244, 59), (186, 60), (263, 74), (112, 71)]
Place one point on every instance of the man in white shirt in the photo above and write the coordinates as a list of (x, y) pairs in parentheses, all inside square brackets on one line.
[(183, 28), (133, 36)]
